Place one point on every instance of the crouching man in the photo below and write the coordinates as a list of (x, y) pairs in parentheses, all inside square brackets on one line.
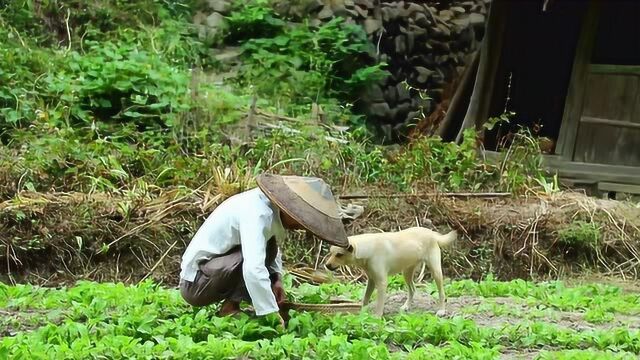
[(235, 256)]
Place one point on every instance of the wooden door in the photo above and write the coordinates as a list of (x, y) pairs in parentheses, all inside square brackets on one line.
[(609, 125)]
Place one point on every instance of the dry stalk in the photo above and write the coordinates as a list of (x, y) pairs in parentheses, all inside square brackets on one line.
[(155, 266)]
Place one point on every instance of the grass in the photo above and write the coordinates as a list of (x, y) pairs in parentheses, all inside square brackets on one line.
[(580, 234), (93, 320)]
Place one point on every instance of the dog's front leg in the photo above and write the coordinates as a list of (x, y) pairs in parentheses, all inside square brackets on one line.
[(382, 294), (367, 293)]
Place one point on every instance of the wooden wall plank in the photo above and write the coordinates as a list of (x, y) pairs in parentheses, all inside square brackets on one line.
[(605, 144), (600, 121), (615, 69), (584, 171), (611, 96)]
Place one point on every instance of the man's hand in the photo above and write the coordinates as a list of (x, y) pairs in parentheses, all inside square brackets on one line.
[(278, 291), (281, 321), (275, 319)]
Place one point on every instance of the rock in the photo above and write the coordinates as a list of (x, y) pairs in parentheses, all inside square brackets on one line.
[(401, 44), (458, 9), (462, 21), (444, 30), (229, 54), (315, 22), (438, 76), (369, 4), (349, 3), (391, 95), (374, 94), (199, 18), (397, 75), (417, 30), (202, 32), (446, 15), (421, 20), (372, 25), (413, 116), (399, 128), (221, 6), (390, 12), (466, 37), (476, 19), (379, 109), (440, 46), (216, 21), (402, 110), (297, 9), (411, 40), (339, 8), (386, 130), (442, 58), (403, 92), (313, 6), (428, 46), (350, 20), (326, 13), (362, 11), (392, 114), (421, 104), (468, 4), (429, 59), (423, 74), (436, 94), (410, 9)]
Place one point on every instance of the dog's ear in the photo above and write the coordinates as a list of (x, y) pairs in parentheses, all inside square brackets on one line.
[(350, 248)]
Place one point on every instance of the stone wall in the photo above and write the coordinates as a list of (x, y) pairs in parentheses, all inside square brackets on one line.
[(425, 44)]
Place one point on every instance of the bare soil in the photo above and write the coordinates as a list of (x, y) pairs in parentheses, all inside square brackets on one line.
[(472, 308), (14, 321)]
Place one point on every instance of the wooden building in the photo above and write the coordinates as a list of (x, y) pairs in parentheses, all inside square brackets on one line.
[(570, 68)]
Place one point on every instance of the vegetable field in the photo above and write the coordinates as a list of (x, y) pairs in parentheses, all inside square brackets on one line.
[(486, 320)]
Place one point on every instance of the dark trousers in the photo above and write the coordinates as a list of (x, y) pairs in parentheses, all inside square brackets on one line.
[(220, 278)]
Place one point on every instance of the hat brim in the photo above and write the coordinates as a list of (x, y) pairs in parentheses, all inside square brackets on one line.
[(323, 226)]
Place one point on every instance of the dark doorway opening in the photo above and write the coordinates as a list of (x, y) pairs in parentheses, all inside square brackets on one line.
[(535, 67)]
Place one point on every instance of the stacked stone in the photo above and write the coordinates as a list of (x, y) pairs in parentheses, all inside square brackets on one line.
[(424, 43)]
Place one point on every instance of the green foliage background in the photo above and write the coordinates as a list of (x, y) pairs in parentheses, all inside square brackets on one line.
[(104, 95)]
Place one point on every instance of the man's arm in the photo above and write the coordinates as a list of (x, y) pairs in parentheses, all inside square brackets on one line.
[(275, 268), (256, 276)]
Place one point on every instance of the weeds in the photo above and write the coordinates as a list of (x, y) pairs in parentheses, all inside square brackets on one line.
[(580, 234)]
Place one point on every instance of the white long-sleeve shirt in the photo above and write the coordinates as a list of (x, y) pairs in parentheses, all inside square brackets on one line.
[(247, 219)]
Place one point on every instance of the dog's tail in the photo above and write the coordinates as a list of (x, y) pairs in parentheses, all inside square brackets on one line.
[(447, 239)]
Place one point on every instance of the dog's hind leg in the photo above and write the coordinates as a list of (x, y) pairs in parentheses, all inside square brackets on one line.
[(381, 285), (411, 287), (435, 265), (367, 293)]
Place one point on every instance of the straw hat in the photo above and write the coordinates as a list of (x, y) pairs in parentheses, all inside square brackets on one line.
[(308, 201)]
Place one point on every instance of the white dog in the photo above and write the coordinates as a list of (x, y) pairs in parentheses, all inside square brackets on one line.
[(388, 253)]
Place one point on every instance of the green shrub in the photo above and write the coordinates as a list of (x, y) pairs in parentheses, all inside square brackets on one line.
[(580, 234), (303, 64)]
